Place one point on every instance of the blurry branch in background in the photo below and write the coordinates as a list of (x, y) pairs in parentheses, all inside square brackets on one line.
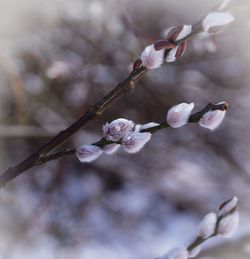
[(132, 137), (152, 57), (222, 224), (16, 87)]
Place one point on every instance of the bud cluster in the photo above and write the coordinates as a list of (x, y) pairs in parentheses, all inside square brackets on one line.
[(174, 35), (167, 50), (179, 115), (133, 137), (120, 132), (222, 224)]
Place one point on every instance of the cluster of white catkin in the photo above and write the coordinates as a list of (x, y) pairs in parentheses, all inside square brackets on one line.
[(128, 135), (154, 55), (224, 223)]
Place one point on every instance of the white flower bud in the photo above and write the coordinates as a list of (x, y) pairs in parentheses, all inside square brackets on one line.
[(194, 252), (134, 142), (179, 114), (207, 225), (216, 19), (88, 153), (152, 58), (228, 224), (228, 206), (180, 252), (176, 34), (171, 56), (186, 30), (224, 5), (148, 125), (212, 119), (111, 148), (117, 129)]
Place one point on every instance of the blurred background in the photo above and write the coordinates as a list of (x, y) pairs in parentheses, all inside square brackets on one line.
[(57, 58)]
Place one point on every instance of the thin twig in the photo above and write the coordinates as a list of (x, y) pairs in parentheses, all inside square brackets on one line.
[(194, 118)]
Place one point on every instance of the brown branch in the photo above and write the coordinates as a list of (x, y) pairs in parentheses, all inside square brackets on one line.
[(97, 109), (94, 111)]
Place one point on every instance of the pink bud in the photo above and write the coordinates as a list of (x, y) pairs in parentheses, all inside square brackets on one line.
[(216, 19), (134, 142), (152, 58), (180, 252), (207, 225), (212, 119), (88, 153), (194, 252), (111, 148), (117, 129), (228, 206), (179, 114), (228, 224)]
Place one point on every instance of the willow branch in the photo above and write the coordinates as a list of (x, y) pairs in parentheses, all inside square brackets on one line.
[(200, 240), (94, 111), (194, 118), (223, 224)]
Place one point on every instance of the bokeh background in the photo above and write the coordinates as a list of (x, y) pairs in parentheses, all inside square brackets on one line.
[(57, 58)]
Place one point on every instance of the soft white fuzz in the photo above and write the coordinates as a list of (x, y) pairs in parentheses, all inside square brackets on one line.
[(117, 129), (228, 224), (215, 19), (228, 206), (179, 114), (212, 119), (88, 153), (186, 30), (152, 58), (207, 225), (171, 56), (134, 142)]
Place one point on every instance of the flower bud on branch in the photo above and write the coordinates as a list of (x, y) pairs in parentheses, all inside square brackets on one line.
[(117, 129), (134, 142), (214, 20), (224, 224), (179, 114), (88, 153), (152, 58), (228, 206), (228, 224), (213, 118), (127, 133), (207, 225), (177, 34)]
